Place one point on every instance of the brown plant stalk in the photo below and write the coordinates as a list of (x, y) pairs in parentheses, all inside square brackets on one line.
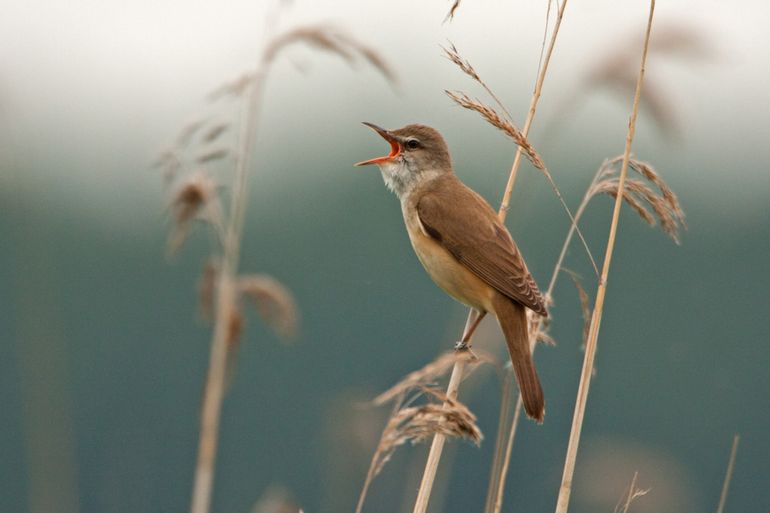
[(214, 390), (593, 334), (664, 203), (632, 494), (420, 380), (728, 475), (250, 86), (434, 456)]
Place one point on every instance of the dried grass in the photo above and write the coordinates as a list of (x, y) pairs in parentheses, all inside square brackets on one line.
[(630, 495), (451, 14), (214, 132), (585, 307), (615, 70), (189, 130), (640, 196), (325, 38), (728, 475), (466, 67), (415, 424), (234, 328), (192, 199), (441, 415), (428, 374), (212, 155), (206, 289), (274, 302), (499, 122), (506, 126), (565, 488), (221, 289)]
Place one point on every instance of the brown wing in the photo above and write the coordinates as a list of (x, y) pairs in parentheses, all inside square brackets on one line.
[(479, 242)]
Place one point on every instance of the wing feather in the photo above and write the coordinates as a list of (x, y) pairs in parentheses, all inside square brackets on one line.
[(485, 248)]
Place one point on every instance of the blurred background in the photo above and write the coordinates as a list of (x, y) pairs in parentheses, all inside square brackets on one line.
[(103, 355)]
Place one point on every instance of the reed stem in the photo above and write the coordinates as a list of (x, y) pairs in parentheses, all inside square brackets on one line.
[(593, 333), (728, 475), (214, 390), (434, 456)]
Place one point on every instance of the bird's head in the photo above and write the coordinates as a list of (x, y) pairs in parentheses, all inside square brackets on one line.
[(418, 153)]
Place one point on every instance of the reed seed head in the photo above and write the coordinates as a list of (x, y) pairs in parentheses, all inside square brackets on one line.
[(499, 122), (194, 194), (274, 303), (416, 424)]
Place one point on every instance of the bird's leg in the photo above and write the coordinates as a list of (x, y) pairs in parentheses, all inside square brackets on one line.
[(463, 344)]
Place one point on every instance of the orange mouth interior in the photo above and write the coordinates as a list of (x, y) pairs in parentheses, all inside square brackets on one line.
[(395, 151)]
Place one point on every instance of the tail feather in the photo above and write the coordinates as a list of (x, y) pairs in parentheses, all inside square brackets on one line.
[(512, 317)]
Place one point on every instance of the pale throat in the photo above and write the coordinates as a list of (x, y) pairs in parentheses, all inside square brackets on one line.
[(401, 180)]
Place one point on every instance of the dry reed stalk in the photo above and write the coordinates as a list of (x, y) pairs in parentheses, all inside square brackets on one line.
[(274, 302), (195, 197), (585, 377), (434, 456), (414, 424), (214, 390), (602, 182), (228, 286), (505, 124), (496, 120), (430, 372), (451, 14), (585, 307), (497, 460), (728, 475), (408, 423), (507, 127), (633, 494), (437, 446)]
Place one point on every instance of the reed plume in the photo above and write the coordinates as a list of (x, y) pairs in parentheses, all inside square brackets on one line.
[(222, 288)]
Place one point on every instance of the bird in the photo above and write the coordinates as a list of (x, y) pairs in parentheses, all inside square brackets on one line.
[(463, 245)]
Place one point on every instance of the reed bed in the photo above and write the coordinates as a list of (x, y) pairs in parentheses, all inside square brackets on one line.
[(420, 410), (646, 193)]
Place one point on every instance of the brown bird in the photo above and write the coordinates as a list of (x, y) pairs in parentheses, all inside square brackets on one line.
[(463, 245)]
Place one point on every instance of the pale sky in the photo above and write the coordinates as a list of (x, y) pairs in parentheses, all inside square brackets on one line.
[(106, 80)]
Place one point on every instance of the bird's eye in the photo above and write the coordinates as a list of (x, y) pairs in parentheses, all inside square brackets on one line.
[(412, 144)]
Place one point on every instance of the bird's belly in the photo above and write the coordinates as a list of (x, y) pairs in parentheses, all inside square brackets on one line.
[(449, 274)]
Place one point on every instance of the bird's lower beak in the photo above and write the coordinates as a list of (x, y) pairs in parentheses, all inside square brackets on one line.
[(395, 146)]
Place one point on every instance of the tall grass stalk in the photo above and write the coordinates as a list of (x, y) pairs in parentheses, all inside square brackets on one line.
[(250, 88), (500, 466), (728, 475), (593, 333), (437, 446), (214, 390)]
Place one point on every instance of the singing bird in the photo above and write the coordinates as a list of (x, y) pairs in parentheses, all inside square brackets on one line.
[(462, 244)]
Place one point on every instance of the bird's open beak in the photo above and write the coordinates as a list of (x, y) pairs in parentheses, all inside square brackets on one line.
[(395, 146)]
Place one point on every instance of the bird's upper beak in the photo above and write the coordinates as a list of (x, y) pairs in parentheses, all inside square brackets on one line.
[(395, 146)]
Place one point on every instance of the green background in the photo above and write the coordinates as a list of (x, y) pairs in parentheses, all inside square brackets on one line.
[(103, 357)]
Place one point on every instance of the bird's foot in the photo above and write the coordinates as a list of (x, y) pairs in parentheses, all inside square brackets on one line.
[(462, 345), (465, 347)]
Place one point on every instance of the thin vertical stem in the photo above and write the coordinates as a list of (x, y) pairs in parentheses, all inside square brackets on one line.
[(214, 391), (593, 333), (434, 456), (728, 475), (497, 482), (497, 462), (531, 114), (498, 493), (437, 446), (631, 493)]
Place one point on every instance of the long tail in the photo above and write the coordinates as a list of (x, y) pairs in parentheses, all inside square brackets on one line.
[(513, 320)]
